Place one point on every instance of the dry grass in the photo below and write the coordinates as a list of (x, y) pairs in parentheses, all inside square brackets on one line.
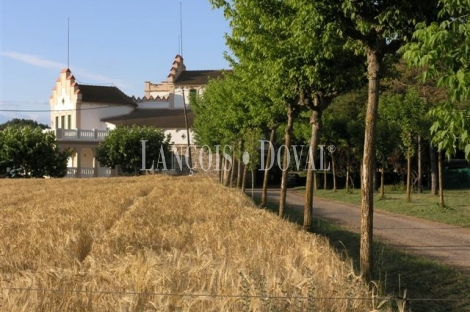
[(160, 243)]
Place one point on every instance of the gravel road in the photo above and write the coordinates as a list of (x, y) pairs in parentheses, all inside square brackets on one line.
[(444, 243)]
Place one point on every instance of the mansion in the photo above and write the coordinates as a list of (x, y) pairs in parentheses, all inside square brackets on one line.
[(82, 115)]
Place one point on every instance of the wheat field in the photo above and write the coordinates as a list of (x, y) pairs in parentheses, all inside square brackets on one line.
[(161, 243)]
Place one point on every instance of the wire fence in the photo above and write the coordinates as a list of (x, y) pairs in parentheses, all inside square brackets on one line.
[(168, 294)]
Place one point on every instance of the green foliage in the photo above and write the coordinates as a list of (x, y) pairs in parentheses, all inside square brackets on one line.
[(219, 112), (442, 49), (451, 129), (290, 46), (30, 152), (230, 112), (344, 121), (22, 122), (123, 147), (405, 113)]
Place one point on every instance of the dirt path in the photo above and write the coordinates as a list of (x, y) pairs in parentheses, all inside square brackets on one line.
[(445, 243)]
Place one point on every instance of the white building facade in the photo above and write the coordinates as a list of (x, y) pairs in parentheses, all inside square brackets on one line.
[(82, 115)]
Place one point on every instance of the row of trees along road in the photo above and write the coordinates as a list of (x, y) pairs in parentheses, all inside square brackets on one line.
[(295, 55)]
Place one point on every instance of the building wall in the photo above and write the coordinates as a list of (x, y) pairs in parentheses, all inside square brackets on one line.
[(153, 104), (91, 118), (63, 102), (179, 136), (186, 90), (162, 89)]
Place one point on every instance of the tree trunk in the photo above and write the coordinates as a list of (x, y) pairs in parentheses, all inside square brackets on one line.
[(333, 171), (287, 138), (382, 182), (441, 180), (264, 191), (243, 185), (252, 183), (324, 179), (420, 165), (233, 181), (240, 172), (232, 172), (224, 172), (368, 166), (315, 181), (315, 121), (221, 171), (432, 154), (228, 177), (408, 176), (348, 169)]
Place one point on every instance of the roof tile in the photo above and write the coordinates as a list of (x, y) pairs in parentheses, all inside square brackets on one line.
[(164, 118), (198, 77), (104, 94)]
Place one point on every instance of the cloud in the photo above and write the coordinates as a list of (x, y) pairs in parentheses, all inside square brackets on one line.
[(38, 61), (34, 60)]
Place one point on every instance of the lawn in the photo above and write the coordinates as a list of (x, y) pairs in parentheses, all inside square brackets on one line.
[(425, 205), (161, 243)]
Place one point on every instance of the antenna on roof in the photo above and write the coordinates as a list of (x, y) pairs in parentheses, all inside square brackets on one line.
[(181, 29), (68, 42)]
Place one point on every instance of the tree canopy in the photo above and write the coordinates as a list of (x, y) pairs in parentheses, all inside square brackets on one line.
[(23, 122), (123, 147), (27, 151), (441, 49), (305, 52)]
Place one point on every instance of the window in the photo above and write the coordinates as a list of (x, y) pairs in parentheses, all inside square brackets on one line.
[(62, 122), (56, 122), (69, 122)]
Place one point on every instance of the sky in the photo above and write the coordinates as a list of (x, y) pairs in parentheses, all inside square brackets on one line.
[(119, 42)]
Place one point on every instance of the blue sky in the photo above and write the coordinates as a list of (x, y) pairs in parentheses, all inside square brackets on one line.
[(119, 42)]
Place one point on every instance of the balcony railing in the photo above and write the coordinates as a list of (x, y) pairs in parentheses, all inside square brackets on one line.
[(74, 172), (80, 135)]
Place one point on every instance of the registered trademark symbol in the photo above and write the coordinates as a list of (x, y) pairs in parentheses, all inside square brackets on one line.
[(331, 148)]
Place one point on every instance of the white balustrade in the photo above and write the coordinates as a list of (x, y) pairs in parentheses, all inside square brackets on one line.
[(88, 172), (71, 172), (80, 135)]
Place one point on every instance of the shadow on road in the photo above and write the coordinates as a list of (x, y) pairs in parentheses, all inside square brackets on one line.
[(430, 286)]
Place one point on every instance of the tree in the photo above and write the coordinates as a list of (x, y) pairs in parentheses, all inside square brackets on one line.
[(406, 77), (377, 29), (223, 117), (260, 46), (406, 113), (441, 49), (123, 147), (29, 152), (23, 122), (388, 141), (349, 110), (300, 63)]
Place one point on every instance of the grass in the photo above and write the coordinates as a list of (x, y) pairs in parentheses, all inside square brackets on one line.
[(430, 286), (425, 205), (160, 243)]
